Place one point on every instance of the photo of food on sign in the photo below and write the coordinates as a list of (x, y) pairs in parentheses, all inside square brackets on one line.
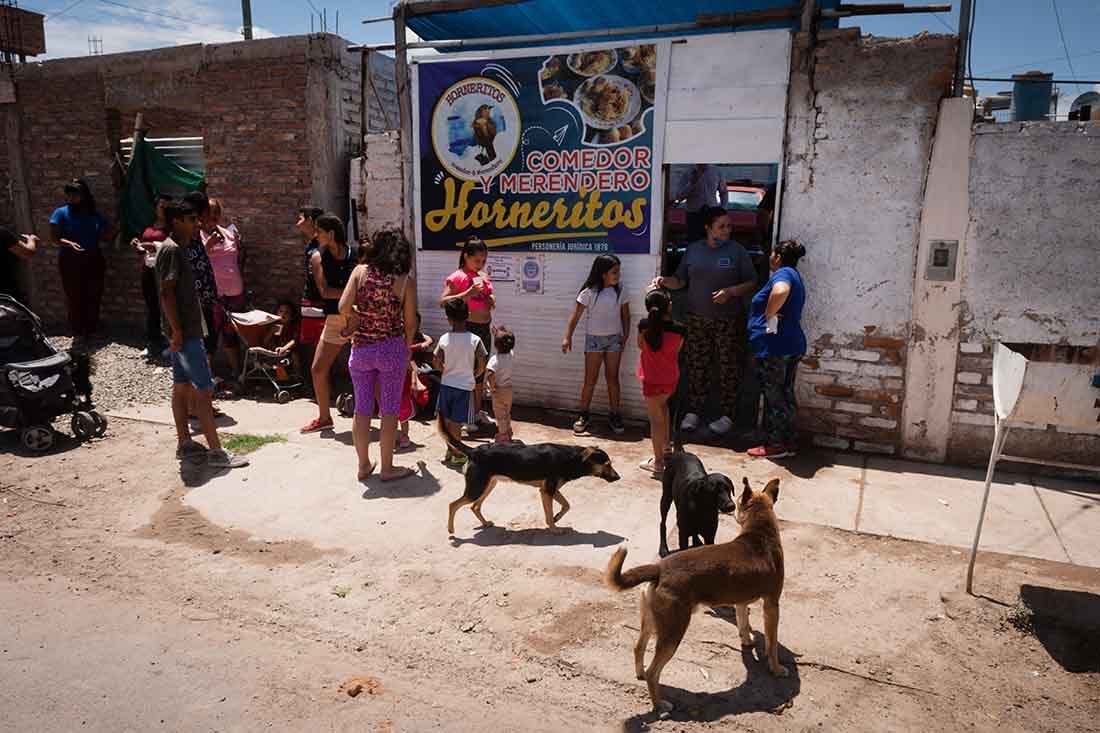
[(540, 152), (611, 88)]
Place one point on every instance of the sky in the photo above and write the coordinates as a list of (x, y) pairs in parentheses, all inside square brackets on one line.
[(1010, 36)]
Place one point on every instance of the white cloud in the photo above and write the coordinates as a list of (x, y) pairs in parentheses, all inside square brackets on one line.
[(128, 29)]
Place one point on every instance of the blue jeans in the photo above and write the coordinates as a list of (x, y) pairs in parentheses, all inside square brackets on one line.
[(189, 365)]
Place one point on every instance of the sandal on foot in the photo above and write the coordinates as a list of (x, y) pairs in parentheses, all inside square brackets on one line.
[(364, 475), (398, 474), (315, 426), (647, 465)]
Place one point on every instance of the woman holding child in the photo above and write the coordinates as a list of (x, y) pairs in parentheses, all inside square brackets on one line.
[(380, 301), (470, 283)]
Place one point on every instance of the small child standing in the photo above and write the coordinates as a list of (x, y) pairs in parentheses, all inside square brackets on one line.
[(659, 340), (421, 345), (461, 357), (500, 381)]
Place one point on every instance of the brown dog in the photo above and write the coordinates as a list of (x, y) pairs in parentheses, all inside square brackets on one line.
[(735, 573)]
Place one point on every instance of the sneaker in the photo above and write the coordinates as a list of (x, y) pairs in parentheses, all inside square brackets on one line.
[(721, 426), (690, 422), (580, 425), (315, 426), (616, 424), (222, 458), (770, 451), (189, 450), (484, 419), (469, 429)]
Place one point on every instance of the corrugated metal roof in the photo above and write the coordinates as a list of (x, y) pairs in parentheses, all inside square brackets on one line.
[(534, 17)]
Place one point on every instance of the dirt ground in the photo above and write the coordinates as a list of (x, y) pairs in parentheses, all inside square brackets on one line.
[(126, 609)]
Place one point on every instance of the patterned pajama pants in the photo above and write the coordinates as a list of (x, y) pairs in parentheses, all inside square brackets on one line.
[(776, 375), (714, 350)]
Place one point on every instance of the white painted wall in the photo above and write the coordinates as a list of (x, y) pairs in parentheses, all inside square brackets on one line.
[(1031, 271)]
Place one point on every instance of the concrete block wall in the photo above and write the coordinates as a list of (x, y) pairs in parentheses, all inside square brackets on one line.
[(267, 149), (861, 120), (378, 191)]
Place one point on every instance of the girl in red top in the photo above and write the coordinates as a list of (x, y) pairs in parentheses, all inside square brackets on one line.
[(471, 283), (659, 340)]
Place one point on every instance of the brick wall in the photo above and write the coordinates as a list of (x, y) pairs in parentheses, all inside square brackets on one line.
[(377, 191), (861, 120), (249, 101)]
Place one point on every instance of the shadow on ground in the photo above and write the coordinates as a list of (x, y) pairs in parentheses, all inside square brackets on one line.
[(759, 693), (419, 485), (564, 537), (1067, 624)]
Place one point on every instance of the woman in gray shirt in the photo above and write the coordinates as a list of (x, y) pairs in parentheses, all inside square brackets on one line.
[(717, 273)]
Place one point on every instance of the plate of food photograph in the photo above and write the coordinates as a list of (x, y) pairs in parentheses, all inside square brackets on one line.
[(637, 59), (608, 102), (592, 63)]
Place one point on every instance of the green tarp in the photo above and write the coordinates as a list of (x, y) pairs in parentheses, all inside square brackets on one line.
[(150, 173)]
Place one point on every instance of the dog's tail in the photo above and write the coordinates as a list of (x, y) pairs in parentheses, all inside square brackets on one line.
[(452, 440), (617, 579)]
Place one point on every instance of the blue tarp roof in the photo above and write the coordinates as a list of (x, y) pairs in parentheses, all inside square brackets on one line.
[(538, 17)]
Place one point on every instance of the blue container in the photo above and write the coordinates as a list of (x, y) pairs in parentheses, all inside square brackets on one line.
[(1031, 96), (459, 135)]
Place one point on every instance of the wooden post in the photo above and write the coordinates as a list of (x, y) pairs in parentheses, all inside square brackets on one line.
[(404, 105), (20, 193), (809, 13)]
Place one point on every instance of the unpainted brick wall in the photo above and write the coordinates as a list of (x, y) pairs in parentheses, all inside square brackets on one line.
[(247, 100), (379, 186), (859, 130)]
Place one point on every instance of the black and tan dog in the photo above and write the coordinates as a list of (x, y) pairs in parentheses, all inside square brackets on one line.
[(735, 573), (547, 466), (699, 498)]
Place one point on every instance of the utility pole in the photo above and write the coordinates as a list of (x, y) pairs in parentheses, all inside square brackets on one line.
[(963, 46), (246, 14)]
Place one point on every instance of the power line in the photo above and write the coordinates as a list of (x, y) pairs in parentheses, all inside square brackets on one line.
[(1026, 64), (944, 23), (1065, 48), (51, 16), (159, 14)]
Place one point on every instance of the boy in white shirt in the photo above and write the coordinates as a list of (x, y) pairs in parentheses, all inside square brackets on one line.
[(500, 381), (461, 357)]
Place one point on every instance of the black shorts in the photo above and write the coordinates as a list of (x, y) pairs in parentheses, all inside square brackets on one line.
[(483, 331)]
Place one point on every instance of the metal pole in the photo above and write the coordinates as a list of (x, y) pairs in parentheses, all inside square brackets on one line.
[(246, 16), (1000, 432), (964, 46)]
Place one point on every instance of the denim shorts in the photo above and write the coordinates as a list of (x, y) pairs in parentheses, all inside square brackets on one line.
[(189, 365), (603, 344)]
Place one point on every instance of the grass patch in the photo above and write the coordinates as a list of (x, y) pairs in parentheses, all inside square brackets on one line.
[(245, 443)]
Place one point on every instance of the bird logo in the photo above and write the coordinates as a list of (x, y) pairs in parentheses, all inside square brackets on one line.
[(485, 132)]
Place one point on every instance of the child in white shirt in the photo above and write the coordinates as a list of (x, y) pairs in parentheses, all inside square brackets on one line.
[(461, 357), (500, 381)]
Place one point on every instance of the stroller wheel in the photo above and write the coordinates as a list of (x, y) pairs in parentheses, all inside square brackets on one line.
[(345, 405), (100, 424), (282, 397), (83, 425), (37, 438)]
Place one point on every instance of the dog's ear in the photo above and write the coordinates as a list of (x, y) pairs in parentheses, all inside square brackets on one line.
[(772, 490), (587, 453), (746, 495)]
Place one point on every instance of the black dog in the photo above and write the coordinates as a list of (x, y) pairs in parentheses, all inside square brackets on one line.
[(547, 466), (698, 496)]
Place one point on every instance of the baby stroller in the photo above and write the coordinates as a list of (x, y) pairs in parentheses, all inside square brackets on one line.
[(38, 383), (262, 365)]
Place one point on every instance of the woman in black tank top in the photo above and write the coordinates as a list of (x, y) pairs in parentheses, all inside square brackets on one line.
[(330, 266)]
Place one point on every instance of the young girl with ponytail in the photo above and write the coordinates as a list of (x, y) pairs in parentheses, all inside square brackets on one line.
[(659, 340)]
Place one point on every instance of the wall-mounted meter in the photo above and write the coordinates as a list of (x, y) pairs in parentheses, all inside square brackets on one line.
[(942, 257)]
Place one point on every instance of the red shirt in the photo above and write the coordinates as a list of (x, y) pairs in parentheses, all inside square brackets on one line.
[(661, 366), (462, 280)]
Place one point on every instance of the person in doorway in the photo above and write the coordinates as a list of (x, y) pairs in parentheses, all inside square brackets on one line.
[(78, 228), (778, 341), (331, 266), (146, 246), (313, 317), (182, 321), (380, 299), (461, 356), (499, 377), (471, 284), (13, 249), (659, 341), (717, 273), (226, 255), (706, 188), (603, 302)]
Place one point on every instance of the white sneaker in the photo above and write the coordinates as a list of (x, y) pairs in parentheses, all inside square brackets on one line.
[(484, 419), (721, 426), (224, 459), (469, 429), (690, 422)]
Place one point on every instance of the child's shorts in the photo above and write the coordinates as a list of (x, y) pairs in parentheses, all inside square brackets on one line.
[(603, 344), (455, 404), (650, 389)]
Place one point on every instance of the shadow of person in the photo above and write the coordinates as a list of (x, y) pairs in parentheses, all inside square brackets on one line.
[(1067, 624), (196, 472), (220, 422), (420, 484), (493, 536), (761, 692)]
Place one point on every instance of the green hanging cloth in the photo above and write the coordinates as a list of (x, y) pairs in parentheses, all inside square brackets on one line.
[(148, 174)]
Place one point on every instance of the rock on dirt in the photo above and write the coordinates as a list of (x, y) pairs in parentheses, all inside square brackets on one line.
[(356, 686)]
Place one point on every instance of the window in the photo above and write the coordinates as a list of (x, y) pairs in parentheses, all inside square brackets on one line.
[(187, 152)]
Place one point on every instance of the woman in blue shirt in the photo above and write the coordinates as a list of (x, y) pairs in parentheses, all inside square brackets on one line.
[(779, 348), (77, 228)]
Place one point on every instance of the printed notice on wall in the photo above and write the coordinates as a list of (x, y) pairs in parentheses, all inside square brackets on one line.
[(542, 153), (532, 275), (501, 268)]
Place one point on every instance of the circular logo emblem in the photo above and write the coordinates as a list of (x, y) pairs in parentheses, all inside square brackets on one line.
[(475, 128), (531, 268)]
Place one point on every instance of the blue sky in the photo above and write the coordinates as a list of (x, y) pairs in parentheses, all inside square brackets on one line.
[(1010, 35)]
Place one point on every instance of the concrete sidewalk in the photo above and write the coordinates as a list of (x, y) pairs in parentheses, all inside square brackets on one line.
[(313, 476)]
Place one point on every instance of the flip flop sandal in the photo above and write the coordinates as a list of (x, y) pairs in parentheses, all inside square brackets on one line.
[(401, 473)]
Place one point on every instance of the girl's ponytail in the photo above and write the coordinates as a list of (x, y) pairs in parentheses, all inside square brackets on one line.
[(657, 304)]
